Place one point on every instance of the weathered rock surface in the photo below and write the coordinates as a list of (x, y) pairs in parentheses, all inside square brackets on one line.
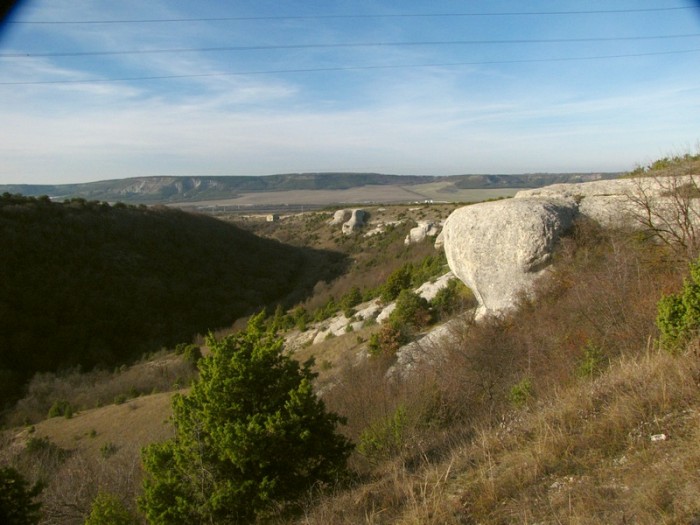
[(356, 221), (420, 232), (499, 249), (428, 350), (429, 290), (339, 217), (606, 202)]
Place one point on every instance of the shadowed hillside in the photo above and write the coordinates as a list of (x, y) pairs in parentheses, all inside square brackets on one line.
[(86, 283)]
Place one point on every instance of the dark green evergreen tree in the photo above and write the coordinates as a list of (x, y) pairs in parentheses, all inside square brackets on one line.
[(17, 499), (250, 435)]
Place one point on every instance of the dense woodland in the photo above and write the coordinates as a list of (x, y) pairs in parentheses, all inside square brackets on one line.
[(88, 283)]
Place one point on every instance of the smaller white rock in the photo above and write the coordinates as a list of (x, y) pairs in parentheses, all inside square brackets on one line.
[(429, 290), (386, 312), (356, 221), (339, 217)]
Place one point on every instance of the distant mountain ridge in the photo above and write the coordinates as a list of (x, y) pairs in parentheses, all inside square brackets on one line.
[(170, 189)]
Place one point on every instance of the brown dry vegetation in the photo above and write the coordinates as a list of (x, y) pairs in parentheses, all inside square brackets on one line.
[(575, 446)]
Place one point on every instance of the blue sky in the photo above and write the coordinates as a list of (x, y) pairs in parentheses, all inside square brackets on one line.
[(307, 86)]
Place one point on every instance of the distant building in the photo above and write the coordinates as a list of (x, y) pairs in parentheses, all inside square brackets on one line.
[(273, 218)]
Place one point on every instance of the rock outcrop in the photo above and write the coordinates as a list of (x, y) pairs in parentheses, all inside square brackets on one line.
[(420, 232), (356, 221), (339, 217), (499, 249)]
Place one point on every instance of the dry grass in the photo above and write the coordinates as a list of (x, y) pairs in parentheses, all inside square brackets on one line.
[(95, 450), (582, 455), (580, 449), (85, 390), (586, 455)]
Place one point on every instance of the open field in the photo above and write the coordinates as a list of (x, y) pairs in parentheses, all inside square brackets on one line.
[(362, 195)]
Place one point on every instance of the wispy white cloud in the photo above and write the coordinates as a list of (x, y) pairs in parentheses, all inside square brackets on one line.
[(472, 118)]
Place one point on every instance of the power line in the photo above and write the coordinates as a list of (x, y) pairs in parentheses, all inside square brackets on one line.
[(345, 45), (346, 16), (351, 68)]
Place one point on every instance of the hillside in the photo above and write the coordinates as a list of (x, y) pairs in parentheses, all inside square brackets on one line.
[(153, 190), (87, 284), (565, 410)]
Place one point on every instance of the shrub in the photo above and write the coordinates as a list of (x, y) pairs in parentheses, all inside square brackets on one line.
[(17, 499), (383, 438), (452, 298), (399, 280), (108, 509), (120, 399), (592, 362), (412, 311), (61, 408), (350, 300), (521, 392), (192, 354), (249, 435), (387, 341), (678, 315), (108, 450)]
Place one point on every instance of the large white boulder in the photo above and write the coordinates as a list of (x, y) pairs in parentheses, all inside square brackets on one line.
[(339, 217), (499, 249), (356, 221)]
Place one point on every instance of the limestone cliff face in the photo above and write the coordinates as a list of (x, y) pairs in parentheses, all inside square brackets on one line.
[(499, 249)]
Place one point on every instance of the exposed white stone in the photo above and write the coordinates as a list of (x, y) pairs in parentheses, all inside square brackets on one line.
[(427, 350), (368, 310), (296, 340), (499, 249), (386, 312), (356, 221), (339, 217), (421, 231), (429, 290), (440, 241)]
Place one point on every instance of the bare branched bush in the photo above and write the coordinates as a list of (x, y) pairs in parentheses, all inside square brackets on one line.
[(99, 387), (667, 207)]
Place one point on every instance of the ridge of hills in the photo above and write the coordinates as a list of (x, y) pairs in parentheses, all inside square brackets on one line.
[(171, 189)]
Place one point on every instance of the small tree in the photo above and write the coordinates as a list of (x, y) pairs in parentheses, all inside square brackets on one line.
[(108, 509), (17, 499), (399, 280), (411, 310), (251, 434), (678, 316)]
